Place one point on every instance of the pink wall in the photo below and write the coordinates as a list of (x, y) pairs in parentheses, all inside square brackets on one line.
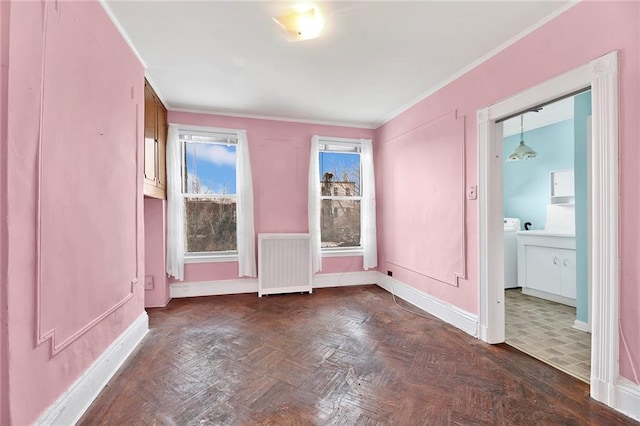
[(155, 249), (279, 152), (4, 64), (583, 33), (89, 96)]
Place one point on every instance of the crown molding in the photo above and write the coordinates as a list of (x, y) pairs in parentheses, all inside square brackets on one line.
[(273, 118), (122, 32), (476, 63)]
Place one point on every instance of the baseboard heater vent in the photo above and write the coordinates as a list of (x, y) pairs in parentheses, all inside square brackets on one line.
[(284, 263)]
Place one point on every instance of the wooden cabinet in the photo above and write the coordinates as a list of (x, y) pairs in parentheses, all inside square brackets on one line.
[(155, 144), (547, 266)]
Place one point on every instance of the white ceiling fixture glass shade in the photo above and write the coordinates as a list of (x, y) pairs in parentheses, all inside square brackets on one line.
[(522, 151), (304, 23)]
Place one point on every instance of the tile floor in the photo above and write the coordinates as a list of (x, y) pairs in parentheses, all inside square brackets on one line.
[(543, 329)]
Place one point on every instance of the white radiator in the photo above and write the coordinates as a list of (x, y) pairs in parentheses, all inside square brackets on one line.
[(284, 263)]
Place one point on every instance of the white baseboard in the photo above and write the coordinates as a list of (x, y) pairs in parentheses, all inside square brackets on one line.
[(627, 399), (345, 279), (214, 288), (582, 326), (483, 334), (217, 288), (72, 404), (448, 313)]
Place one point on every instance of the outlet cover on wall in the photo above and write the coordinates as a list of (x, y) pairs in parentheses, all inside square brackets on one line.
[(148, 282), (472, 192)]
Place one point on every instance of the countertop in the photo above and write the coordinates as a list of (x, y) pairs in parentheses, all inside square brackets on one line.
[(546, 233)]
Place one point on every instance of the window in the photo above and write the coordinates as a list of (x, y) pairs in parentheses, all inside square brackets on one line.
[(352, 229), (339, 173), (209, 163), (209, 199)]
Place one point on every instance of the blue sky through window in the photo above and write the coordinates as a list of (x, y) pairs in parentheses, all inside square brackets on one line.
[(339, 163), (211, 168)]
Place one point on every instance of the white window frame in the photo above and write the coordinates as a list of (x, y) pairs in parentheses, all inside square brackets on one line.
[(353, 146), (227, 137)]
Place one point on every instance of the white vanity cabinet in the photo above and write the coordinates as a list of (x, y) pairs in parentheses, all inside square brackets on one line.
[(547, 265)]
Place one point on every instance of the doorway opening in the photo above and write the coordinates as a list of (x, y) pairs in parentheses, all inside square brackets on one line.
[(546, 233), (601, 75)]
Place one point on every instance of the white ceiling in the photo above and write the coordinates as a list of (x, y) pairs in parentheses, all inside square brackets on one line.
[(373, 60)]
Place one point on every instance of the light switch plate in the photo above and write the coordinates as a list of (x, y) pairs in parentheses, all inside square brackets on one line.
[(472, 192)]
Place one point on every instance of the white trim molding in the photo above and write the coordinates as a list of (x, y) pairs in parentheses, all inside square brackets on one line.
[(627, 398), (522, 34), (225, 113), (490, 225), (345, 279), (604, 233), (123, 33), (211, 259), (213, 288), (359, 252), (444, 311), (582, 326), (240, 286), (601, 75), (72, 404)]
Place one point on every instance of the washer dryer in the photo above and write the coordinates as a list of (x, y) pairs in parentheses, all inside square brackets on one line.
[(511, 226)]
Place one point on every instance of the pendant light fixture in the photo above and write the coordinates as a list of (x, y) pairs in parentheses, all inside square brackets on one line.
[(522, 151)]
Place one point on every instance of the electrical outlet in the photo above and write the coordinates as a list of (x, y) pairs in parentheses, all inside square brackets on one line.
[(148, 282), (472, 192), (390, 273)]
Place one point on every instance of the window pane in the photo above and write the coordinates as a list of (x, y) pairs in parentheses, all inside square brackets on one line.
[(340, 223), (210, 224), (340, 174), (210, 168)]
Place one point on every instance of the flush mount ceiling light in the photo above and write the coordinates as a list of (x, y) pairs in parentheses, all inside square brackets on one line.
[(522, 151), (303, 23)]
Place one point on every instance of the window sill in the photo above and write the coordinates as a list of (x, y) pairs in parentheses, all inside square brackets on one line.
[(211, 258), (343, 252)]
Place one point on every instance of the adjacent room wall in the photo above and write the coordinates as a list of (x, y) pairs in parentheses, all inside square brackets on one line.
[(582, 110), (583, 33), (279, 152), (76, 120), (526, 183)]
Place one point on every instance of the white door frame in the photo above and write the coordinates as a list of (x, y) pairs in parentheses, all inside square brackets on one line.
[(601, 75)]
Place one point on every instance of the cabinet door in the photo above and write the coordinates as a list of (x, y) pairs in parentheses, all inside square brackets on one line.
[(568, 273), (542, 269), (149, 136), (150, 161), (562, 182), (150, 104), (162, 146)]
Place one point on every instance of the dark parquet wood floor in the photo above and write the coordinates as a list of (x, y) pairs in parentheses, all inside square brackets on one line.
[(344, 356)]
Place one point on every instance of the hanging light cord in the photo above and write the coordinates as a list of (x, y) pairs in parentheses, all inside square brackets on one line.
[(522, 129)]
